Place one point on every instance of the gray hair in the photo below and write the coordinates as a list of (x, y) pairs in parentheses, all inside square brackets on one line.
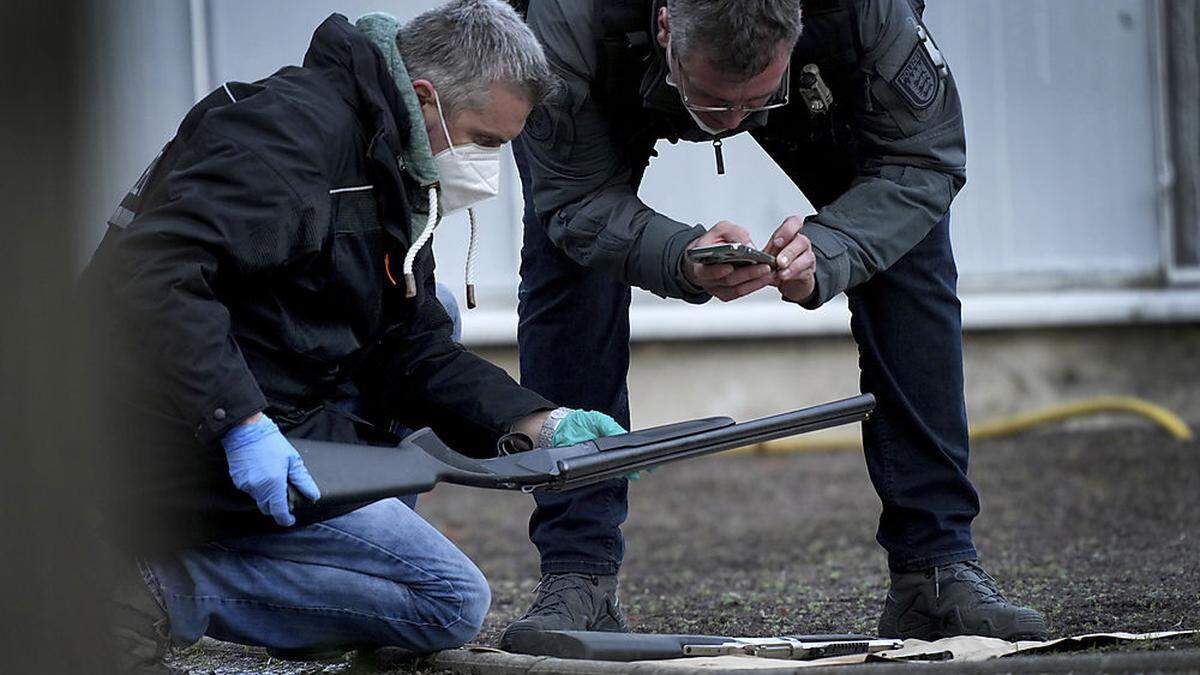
[(740, 37), (466, 46)]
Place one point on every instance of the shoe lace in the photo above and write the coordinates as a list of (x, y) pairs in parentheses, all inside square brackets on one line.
[(972, 572), (552, 591)]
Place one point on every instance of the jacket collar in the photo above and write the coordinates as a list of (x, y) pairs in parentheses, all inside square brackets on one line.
[(399, 145), (381, 30)]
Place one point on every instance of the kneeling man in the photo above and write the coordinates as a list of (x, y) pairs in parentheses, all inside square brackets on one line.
[(271, 276)]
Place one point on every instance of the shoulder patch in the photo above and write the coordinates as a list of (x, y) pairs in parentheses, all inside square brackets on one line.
[(918, 81), (539, 126)]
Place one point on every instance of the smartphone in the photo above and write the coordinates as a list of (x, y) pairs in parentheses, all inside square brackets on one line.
[(731, 254)]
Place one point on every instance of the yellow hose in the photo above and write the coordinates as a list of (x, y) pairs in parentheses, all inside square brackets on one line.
[(1165, 419)]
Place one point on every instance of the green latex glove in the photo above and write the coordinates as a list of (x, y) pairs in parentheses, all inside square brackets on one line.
[(586, 425)]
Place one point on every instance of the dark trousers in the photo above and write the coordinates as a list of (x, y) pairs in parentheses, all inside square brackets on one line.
[(574, 349)]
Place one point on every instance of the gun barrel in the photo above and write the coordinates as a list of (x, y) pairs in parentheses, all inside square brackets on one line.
[(609, 463)]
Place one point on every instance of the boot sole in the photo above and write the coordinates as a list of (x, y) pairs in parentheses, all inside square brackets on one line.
[(930, 632), (514, 640)]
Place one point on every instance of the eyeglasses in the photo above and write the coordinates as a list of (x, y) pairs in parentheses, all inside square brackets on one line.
[(777, 100)]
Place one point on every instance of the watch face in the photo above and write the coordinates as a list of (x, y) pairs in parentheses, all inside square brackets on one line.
[(546, 433)]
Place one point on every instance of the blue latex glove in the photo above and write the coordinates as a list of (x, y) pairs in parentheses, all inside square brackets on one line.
[(262, 463), (586, 425)]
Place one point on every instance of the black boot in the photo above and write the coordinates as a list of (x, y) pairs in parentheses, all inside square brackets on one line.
[(955, 599), (139, 628), (569, 602)]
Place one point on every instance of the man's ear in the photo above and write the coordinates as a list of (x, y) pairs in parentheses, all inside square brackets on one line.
[(424, 90), (664, 27)]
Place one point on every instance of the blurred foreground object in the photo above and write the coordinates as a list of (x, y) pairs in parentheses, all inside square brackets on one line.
[(51, 621)]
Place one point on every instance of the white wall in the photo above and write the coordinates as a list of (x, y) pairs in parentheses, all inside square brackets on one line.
[(138, 85)]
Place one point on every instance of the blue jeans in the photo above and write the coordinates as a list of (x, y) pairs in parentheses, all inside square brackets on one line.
[(378, 576), (906, 321)]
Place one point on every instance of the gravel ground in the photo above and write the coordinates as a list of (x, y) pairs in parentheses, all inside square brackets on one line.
[(1099, 530)]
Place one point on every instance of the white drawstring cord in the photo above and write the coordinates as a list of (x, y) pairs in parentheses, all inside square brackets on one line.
[(410, 281), (471, 263)]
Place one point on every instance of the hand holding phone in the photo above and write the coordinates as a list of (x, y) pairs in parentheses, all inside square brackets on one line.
[(732, 253), (724, 280)]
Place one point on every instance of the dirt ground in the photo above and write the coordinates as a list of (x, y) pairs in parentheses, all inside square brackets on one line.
[(1100, 530)]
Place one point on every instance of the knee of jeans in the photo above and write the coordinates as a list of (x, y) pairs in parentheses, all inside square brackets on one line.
[(476, 599), (461, 614), (447, 620)]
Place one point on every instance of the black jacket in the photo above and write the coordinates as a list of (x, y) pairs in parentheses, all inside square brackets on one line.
[(246, 271)]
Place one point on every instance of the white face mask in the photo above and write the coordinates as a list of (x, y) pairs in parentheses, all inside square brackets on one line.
[(468, 174), (712, 131)]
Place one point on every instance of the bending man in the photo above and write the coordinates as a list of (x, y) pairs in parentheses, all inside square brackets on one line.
[(861, 111)]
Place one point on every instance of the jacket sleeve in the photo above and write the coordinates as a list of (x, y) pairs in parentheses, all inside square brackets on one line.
[(421, 376), (582, 185), (912, 155), (220, 215)]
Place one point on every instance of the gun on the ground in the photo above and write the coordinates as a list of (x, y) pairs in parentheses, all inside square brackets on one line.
[(358, 474), (795, 647), (603, 646)]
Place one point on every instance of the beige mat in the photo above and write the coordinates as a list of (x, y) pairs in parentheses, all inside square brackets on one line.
[(480, 660)]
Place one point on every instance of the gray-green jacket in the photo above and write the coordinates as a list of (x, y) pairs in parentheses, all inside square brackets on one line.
[(881, 167)]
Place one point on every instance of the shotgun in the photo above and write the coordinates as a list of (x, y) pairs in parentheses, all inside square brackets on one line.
[(359, 474)]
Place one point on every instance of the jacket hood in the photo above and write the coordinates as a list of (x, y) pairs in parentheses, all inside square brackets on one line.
[(381, 29), (339, 50)]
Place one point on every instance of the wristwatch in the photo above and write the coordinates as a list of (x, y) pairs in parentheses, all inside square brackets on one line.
[(546, 434)]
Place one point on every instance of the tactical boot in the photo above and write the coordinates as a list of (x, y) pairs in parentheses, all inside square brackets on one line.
[(139, 628), (569, 602), (955, 599)]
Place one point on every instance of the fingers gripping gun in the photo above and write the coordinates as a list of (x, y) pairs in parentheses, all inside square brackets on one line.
[(360, 474)]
